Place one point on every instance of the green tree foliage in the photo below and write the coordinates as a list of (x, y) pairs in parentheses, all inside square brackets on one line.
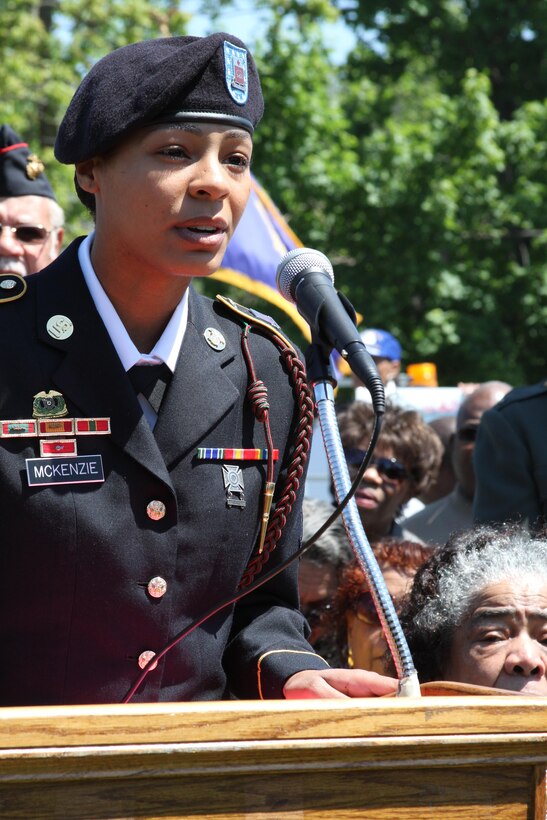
[(447, 240), (46, 47), (305, 153), (504, 39)]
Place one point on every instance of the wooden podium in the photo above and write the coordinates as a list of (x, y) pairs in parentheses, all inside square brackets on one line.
[(430, 757)]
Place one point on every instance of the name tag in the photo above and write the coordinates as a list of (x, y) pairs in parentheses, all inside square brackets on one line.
[(67, 470)]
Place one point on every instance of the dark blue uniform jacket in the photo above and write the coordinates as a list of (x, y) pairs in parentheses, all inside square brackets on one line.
[(76, 559)]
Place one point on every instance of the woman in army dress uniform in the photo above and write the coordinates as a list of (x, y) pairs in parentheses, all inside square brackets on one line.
[(136, 469)]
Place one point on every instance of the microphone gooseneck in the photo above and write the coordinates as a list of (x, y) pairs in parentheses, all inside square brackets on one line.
[(305, 277)]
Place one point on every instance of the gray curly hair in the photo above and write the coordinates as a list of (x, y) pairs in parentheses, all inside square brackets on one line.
[(445, 586)]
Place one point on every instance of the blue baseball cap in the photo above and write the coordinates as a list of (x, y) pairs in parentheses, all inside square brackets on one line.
[(382, 344)]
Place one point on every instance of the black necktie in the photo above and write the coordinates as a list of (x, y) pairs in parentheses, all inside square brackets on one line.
[(151, 380)]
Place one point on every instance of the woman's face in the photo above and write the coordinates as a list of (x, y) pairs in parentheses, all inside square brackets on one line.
[(502, 642), (366, 641), (383, 490), (170, 197)]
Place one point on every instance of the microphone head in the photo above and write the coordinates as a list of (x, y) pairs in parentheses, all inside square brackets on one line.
[(296, 262)]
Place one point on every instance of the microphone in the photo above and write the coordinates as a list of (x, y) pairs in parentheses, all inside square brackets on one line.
[(305, 277)]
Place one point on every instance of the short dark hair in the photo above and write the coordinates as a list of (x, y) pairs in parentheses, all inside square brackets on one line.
[(405, 432)]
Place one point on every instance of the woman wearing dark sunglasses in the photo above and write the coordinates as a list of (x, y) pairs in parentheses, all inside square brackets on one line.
[(405, 462)]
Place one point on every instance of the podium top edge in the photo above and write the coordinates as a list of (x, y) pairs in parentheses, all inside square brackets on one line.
[(449, 703)]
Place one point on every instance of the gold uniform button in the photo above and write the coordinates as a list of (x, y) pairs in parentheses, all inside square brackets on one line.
[(156, 510), (144, 657), (157, 587)]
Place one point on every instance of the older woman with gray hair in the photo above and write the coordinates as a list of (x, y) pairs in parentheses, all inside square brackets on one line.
[(477, 612)]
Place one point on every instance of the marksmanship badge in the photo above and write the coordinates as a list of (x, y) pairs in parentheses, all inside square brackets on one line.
[(235, 72), (233, 483)]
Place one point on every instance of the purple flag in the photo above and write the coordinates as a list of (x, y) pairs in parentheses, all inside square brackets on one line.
[(260, 241)]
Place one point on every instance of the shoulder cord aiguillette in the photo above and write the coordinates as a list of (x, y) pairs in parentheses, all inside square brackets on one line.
[(271, 529)]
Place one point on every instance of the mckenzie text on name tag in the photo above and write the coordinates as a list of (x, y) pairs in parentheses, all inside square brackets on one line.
[(67, 470)]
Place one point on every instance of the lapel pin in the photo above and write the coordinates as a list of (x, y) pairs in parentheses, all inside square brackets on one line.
[(60, 327), (12, 287), (214, 338)]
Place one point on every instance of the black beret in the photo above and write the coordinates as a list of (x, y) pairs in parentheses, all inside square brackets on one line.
[(204, 78), (21, 171)]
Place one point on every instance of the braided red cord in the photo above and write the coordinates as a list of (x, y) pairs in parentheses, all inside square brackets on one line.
[(256, 392), (283, 508), (258, 397)]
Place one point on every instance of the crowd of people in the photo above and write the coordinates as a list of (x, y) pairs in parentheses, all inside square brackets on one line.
[(135, 499), (467, 572)]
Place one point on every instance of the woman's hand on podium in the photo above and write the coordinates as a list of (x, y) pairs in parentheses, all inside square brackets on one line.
[(338, 683)]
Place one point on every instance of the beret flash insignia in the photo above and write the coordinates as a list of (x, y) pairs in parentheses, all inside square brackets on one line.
[(235, 66)]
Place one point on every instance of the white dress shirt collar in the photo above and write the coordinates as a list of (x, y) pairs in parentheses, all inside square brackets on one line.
[(166, 349)]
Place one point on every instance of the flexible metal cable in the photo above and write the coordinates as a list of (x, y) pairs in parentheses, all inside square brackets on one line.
[(396, 641)]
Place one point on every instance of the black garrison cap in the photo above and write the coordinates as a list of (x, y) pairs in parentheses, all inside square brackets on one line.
[(164, 80), (21, 171)]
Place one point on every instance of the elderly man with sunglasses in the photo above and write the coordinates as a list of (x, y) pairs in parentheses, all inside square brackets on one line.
[(454, 513), (31, 221)]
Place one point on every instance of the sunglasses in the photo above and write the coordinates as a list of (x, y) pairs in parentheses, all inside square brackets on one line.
[(467, 435), (389, 468), (315, 614), (365, 609), (27, 234)]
